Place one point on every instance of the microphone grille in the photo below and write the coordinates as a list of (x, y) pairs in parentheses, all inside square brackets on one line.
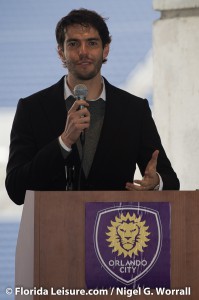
[(80, 90)]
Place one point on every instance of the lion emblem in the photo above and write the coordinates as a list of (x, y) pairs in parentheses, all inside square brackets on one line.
[(128, 235)]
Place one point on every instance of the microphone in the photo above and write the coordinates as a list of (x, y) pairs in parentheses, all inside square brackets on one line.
[(80, 92)]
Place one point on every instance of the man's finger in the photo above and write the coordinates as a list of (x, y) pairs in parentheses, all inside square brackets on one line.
[(140, 182), (134, 187), (152, 163), (76, 105), (155, 156)]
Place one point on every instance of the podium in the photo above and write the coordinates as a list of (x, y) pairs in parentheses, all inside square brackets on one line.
[(51, 242)]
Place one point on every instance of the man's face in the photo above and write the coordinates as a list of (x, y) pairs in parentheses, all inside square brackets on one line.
[(83, 52)]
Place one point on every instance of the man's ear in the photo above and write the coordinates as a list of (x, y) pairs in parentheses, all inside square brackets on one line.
[(61, 53), (106, 51)]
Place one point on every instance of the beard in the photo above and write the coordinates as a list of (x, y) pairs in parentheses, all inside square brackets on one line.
[(84, 73)]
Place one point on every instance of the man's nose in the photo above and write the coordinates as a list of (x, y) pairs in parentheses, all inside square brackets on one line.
[(83, 49)]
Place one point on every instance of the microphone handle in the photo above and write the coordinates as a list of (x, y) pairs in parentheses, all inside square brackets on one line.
[(81, 107), (82, 140), (82, 135)]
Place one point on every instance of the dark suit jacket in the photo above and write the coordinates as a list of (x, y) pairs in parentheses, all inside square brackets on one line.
[(128, 136)]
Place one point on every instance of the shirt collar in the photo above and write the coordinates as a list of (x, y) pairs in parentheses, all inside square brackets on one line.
[(67, 91)]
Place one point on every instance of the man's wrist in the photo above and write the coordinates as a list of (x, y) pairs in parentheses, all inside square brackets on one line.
[(159, 187), (63, 145)]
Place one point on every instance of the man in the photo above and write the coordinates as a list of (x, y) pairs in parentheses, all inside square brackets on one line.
[(46, 152)]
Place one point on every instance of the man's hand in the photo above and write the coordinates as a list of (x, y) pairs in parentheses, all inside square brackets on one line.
[(77, 121), (150, 179)]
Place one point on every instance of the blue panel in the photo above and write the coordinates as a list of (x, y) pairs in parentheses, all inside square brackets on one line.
[(28, 59)]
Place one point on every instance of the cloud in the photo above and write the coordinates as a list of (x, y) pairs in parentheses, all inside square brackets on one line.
[(140, 81)]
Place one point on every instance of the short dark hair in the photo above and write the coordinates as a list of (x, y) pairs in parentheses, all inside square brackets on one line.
[(85, 18)]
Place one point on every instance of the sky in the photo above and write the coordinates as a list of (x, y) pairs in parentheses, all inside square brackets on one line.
[(29, 60)]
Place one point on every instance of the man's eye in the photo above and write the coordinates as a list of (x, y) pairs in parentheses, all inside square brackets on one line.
[(93, 43), (72, 44)]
